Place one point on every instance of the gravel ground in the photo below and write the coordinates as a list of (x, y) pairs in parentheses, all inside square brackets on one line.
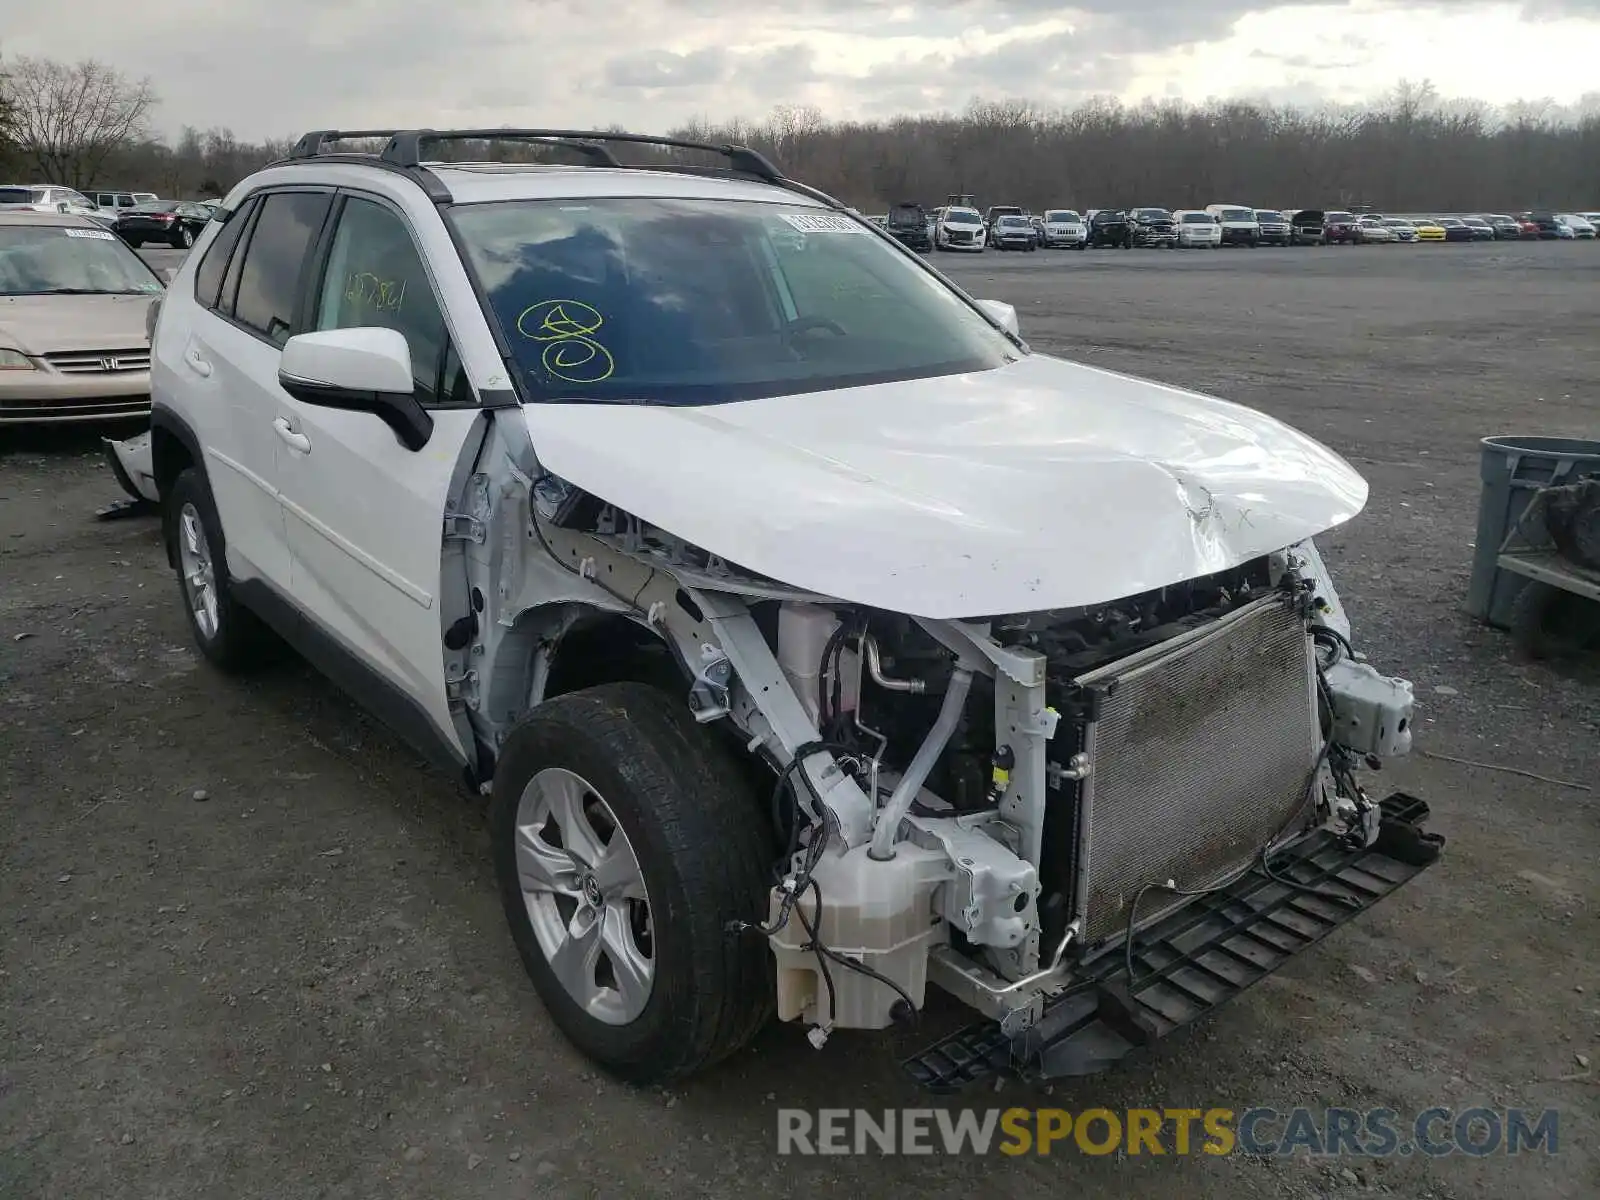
[(249, 947)]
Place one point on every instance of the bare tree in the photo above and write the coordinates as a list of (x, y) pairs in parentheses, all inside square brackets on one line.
[(69, 118)]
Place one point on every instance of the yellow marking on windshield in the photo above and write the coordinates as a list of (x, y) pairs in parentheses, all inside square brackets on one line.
[(567, 329)]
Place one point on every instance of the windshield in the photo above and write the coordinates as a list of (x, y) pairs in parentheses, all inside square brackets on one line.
[(963, 216), (1198, 218), (1152, 214), (906, 214), (705, 302), (1239, 214), (1012, 222), (155, 206), (1062, 216), (37, 260), (1397, 223), (1267, 214), (1340, 216)]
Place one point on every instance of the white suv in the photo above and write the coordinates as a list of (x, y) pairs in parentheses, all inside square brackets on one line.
[(814, 638)]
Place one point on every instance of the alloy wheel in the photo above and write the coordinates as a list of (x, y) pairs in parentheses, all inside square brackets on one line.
[(585, 896)]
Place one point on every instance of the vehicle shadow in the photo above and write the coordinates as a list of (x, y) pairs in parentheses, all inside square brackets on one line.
[(64, 440)]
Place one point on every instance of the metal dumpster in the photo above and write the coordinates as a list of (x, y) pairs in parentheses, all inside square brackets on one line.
[(1513, 469)]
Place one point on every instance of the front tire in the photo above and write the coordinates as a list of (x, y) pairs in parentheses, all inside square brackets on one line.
[(183, 239), (625, 843), (231, 637)]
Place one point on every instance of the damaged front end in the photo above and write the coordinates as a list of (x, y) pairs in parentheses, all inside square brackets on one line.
[(1091, 825)]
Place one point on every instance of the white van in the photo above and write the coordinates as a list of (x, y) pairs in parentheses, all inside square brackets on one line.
[(1238, 222)]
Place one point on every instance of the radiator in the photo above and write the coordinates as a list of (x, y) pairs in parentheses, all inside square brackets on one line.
[(1200, 754)]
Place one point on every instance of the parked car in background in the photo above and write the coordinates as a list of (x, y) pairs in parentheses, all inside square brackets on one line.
[(959, 229), (116, 201), (1592, 217), (1238, 224), (996, 211), (1506, 228), (1529, 227), (1013, 231), (1455, 229), (1109, 227), (1064, 227), (1152, 227), (1306, 227), (908, 223), (50, 198), (1340, 229), (174, 222), (73, 308), (1482, 231), (1549, 228), (1581, 228), (1429, 230), (1197, 229), (1404, 230), (1372, 230), (1273, 227)]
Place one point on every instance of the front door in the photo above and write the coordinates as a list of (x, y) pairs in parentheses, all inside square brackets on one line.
[(365, 516)]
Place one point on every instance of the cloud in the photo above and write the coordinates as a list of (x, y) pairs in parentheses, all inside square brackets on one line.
[(278, 67), (664, 69)]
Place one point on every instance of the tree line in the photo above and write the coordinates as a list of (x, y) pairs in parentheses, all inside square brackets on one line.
[(88, 125)]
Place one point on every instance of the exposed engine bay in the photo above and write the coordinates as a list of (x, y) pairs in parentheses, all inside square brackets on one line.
[(986, 804)]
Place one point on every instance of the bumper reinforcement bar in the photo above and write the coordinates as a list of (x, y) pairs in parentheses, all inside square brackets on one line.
[(1196, 959)]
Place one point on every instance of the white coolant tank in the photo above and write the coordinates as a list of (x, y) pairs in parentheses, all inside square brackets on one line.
[(879, 913), (803, 632)]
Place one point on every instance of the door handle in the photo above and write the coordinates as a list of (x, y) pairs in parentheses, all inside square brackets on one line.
[(197, 363), (292, 437)]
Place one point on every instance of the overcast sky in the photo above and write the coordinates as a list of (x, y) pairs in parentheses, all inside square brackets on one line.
[(278, 67)]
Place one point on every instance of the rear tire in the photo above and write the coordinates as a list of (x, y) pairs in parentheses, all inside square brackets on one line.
[(183, 239), (700, 853), (232, 638)]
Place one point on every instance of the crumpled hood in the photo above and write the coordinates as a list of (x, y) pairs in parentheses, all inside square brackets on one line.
[(1043, 484), (51, 324)]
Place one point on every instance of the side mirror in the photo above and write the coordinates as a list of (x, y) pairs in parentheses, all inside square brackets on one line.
[(358, 370), (1004, 314)]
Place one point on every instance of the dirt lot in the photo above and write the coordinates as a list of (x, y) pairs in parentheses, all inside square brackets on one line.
[(300, 985)]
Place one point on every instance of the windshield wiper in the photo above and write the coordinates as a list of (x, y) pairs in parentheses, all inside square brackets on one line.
[(82, 292)]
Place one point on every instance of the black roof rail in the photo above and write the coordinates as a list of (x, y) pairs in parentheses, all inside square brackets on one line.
[(312, 143), (404, 148), (402, 154)]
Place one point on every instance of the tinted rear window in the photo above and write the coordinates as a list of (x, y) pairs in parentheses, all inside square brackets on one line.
[(269, 281), (208, 276), (16, 195)]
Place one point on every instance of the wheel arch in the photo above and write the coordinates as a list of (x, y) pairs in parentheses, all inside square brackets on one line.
[(173, 449)]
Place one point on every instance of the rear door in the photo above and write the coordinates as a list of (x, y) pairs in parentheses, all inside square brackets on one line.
[(365, 515), (230, 359)]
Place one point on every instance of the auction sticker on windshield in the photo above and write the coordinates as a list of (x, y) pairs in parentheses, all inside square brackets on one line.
[(822, 223), (99, 235)]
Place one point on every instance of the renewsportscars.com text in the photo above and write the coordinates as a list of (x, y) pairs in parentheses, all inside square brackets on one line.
[(1328, 1132)]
